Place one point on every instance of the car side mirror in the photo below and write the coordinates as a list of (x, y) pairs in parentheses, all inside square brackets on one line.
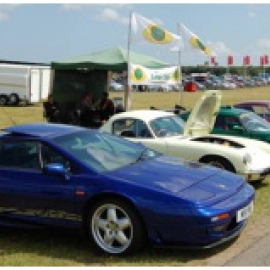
[(56, 169)]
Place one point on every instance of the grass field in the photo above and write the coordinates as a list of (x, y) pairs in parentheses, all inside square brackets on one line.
[(27, 114), (52, 248)]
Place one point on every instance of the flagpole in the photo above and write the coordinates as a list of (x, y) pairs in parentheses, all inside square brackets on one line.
[(128, 86), (180, 69), (180, 78)]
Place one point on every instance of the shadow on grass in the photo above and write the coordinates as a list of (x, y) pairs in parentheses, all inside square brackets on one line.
[(70, 248), (259, 184)]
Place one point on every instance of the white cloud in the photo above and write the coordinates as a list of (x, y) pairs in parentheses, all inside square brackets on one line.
[(71, 7), (263, 43), (219, 47), (3, 17), (6, 10), (9, 7), (252, 14), (255, 10), (158, 21), (120, 6), (111, 15)]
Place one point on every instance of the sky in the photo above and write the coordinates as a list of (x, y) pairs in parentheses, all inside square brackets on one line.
[(50, 31)]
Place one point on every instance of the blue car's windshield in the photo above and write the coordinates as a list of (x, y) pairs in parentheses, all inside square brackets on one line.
[(102, 151), (252, 122)]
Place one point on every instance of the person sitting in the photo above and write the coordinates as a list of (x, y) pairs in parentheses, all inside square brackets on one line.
[(51, 109), (85, 109), (106, 107)]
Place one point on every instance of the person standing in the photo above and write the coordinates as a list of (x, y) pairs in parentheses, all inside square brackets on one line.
[(106, 107), (51, 109), (86, 107)]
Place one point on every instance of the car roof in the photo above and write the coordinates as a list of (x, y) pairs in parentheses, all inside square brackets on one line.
[(254, 102), (146, 115), (230, 110), (42, 130)]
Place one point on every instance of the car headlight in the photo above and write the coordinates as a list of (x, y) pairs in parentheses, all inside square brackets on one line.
[(247, 158)]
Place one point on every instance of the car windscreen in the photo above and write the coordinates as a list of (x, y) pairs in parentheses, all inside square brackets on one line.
[(103, 152), (167, 126), (253, 122)]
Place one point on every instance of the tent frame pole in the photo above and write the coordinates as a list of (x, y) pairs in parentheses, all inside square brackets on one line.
[(128, 96)]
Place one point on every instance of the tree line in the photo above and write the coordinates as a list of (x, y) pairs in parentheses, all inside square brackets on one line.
[(218, 70)]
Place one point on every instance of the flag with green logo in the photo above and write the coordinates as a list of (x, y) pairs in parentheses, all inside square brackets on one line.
[(143, 29), (192, 41), (140, 75)]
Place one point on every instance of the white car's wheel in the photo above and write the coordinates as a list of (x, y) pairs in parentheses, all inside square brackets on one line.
[(115, 228), (218, 162)]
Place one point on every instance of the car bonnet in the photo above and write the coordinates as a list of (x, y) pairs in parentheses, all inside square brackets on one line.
[(203, 116), (194, 182)]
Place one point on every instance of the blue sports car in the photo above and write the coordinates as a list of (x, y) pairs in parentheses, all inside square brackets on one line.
[(121, 194)]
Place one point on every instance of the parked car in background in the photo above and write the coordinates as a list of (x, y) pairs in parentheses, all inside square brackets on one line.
[(260, 107), (249, 83), (259, 81), (239, 82), (198, 85), (115, 86), (167, 133), (231, 83), (119, 193), (160, 88), (239, 122)]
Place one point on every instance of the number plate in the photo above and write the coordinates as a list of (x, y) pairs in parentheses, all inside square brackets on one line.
[(244, 212)]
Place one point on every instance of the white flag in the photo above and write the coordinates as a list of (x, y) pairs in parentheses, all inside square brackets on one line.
[(140, 75), (192, 41), (143, 29)]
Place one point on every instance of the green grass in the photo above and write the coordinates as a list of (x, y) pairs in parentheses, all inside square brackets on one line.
[(23, 247)]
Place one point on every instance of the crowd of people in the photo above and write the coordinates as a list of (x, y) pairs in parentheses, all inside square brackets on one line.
[(89, 114)]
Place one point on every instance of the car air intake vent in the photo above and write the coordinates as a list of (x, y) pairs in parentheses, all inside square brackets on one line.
[(217, 140)]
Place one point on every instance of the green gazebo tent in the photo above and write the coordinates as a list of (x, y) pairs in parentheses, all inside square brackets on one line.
[(114, 59), (89, 73)]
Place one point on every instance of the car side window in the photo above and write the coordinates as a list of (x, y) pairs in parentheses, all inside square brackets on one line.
[(124, 128), (226, 122), (20, 154), (49, 156), (232, 121), (246, 107), (131, 128), (261, 110), (220, 123), (141, 130)]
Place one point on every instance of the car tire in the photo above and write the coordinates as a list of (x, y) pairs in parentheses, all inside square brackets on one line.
[(218, 162), (3, 100), (114, 227)]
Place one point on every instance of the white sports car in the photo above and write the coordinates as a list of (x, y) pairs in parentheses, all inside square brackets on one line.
[(167, 133)]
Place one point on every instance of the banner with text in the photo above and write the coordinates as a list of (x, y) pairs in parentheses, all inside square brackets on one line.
[(140, 75)]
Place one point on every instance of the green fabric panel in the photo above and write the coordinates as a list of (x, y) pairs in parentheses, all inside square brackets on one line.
[(114, 59), (70, 85)]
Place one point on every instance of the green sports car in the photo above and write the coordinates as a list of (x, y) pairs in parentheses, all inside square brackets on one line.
[(238, 122)]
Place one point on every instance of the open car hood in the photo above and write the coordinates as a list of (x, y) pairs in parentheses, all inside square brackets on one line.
[(203, 116)]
